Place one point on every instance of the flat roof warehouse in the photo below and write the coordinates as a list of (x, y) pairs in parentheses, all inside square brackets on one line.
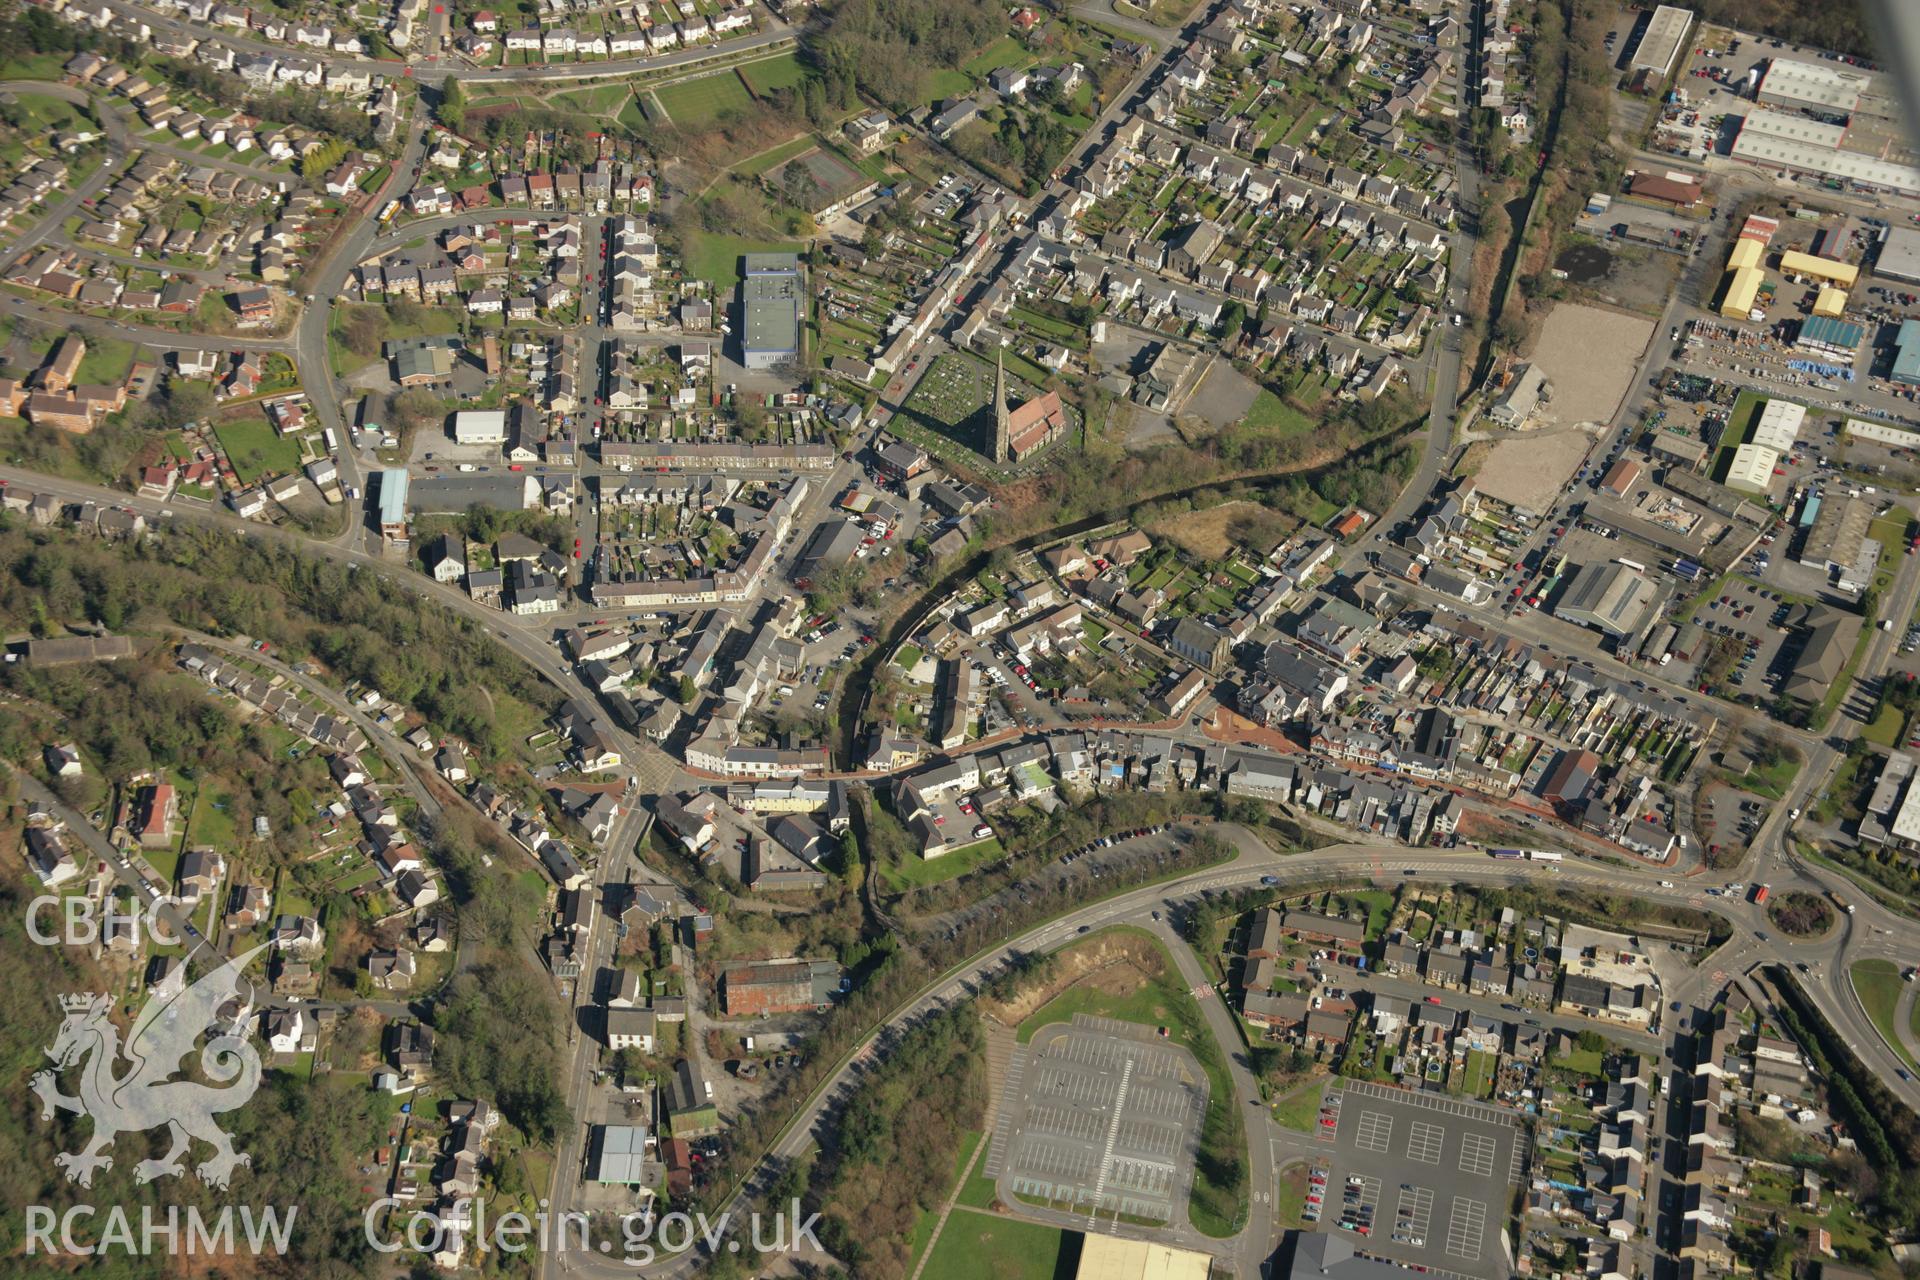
[(1752, 468), (1881, 433), (1104, 1257), (1666, 31), (1756, 147), (1899, 255), (770, 298), (1783, 140), (1807, 84), (1906, 354)]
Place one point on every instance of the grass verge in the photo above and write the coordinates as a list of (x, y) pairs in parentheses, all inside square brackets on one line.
[(978, 1244), (1300, 1110), (1878, 984)]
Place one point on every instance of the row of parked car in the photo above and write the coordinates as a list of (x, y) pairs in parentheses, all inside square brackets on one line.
[(1107, 841), (1316, 1193)]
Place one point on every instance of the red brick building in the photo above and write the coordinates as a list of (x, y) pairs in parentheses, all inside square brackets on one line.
[(780, 986)]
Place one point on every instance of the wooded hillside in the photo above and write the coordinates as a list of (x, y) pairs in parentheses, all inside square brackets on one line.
[(1839, 25)]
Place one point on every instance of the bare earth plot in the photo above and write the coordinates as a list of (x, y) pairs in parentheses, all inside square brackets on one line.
[(1223, 396), (1588, 355), (1526, 471)]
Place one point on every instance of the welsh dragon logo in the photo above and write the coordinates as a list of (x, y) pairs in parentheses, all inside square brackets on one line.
[(148, 1095)]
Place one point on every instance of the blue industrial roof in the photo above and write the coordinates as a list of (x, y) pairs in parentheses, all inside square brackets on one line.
[(1832, 332), (393, 496), (1906, 353)]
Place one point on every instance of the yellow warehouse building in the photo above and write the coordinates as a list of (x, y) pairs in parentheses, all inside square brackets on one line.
[(1742, 289), (1104, 1257), (1795, 263)]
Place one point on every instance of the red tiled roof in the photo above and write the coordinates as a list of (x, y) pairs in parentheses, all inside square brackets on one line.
[(159, 800), (1036, 420)]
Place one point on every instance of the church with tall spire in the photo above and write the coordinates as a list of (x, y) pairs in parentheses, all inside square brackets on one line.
[(1019, 431), (1002, 436)]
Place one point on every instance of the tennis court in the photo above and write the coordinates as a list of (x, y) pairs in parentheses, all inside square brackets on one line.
[(822, 176)]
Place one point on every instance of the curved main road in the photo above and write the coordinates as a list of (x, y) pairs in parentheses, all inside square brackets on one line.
[(653, 768), (1872, 931), (1826, 958), (323, 282)]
